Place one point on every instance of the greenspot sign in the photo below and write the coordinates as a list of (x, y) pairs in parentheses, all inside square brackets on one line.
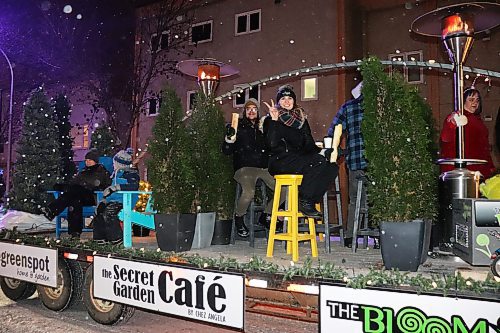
[(373, 311)]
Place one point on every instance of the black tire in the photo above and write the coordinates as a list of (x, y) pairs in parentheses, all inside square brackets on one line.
[(102, 311), (495, 266), (68, 289), (16, 289)]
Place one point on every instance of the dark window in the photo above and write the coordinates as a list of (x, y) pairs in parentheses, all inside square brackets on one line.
[(253, 93), (201, 32), (254, 21), (240, 98), (152, 109), (192, 101), (242, 24), (164, 41)]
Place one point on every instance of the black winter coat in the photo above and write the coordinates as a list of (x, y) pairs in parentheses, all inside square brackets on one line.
[(290, 148), (93, 178), (249, 149)]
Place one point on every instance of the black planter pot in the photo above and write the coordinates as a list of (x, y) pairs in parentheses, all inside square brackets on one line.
[(175, 232), (402, 244), (222, 232)]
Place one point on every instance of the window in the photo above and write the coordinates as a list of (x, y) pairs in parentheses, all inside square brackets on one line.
[(309, 88), (154, 105), (412, 75), (201, 32), (245, 94), (161, 42), (191, 101), (246, 23), (80, 136)]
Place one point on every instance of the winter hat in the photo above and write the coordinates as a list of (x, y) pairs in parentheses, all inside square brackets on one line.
[(123, 159), (93, 155), (251, 101), (286, 90)]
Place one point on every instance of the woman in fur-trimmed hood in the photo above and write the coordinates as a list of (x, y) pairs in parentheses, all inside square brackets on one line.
[(293, 150)]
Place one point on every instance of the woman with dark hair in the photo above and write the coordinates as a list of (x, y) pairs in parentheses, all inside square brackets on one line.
[(293, 150), (476, 145)]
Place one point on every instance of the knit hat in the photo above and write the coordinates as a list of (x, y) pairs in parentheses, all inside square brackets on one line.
[(123, 159), (286, 90), (251, 101), (93, 155)]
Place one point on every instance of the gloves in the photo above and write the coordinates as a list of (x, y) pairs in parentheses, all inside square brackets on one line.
[(327, 153), (456, 119), (230, 131), (110, 190)]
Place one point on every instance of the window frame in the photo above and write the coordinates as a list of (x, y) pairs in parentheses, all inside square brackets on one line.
[(159, 48), (404, 70), (247, 30), (211, 22), (246, 92), (157, 108), (81, 140), (302, 88), (189, 107)]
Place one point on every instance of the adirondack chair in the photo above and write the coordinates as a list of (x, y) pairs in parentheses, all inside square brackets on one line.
[(88, 211), (128, 215)]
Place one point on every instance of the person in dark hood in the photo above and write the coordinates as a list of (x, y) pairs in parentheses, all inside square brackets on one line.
[(79, 192), (250, 159), (293, 150)]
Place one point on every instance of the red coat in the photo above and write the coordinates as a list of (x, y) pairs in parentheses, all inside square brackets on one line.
[(477, 145)]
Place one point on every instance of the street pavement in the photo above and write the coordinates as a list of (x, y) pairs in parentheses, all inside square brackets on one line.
[(29, 316)]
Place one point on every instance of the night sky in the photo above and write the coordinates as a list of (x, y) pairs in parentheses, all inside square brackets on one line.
[(50, 41)]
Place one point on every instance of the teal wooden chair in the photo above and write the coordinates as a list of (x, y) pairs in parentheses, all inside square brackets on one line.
[(128, 215)]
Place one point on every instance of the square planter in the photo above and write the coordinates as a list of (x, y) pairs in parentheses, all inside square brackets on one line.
[(175, 232), (204, 230)]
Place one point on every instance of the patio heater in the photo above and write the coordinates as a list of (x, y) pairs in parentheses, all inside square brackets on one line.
[(456, 25), (207, 71)]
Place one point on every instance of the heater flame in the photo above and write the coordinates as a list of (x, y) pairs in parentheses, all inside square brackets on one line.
[(453, 24), (204, 76)]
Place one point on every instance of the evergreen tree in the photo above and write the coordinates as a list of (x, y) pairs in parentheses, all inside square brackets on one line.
[(37, 166), (170, 168), (214, 173), (398, 140), (62, 114), (104, 141)]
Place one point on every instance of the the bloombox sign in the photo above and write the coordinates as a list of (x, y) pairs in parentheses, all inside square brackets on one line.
[(371, 311), (197, 294), (29, 263)]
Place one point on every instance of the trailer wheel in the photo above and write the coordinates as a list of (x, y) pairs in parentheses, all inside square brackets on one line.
[(16, 289), (68, 288), (102, 311), (495, 266)]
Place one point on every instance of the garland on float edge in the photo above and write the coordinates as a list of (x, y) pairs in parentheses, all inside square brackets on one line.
[(442, 284)]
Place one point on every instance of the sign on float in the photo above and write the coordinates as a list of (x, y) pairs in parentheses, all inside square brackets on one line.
[(29, 263), (203, 295), (375, 311)]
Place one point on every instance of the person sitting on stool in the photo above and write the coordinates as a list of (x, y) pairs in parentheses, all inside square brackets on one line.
[(293, 150), (250, 159)]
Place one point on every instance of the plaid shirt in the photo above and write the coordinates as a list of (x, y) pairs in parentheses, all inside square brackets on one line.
[(350, 115)]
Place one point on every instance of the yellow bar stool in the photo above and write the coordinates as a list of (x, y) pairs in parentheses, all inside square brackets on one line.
[(292, 215)]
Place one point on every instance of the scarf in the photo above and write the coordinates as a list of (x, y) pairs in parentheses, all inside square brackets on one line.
[(294, 118)]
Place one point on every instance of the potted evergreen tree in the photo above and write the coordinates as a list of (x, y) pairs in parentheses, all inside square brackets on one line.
[(403, 177), (170, 172), (213, 169)]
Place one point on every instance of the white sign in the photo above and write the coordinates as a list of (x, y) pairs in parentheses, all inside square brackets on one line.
[(372, 311), (29, 263), (207, 296)]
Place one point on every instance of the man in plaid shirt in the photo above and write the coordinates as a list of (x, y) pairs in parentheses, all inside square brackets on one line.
[(350, 115)]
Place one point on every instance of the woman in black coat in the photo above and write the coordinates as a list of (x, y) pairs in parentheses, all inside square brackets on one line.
[(250, 159), (293, 151)]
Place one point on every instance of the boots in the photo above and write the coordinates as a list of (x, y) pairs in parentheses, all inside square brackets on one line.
[(265, 220), (307, 208), (241, 228)]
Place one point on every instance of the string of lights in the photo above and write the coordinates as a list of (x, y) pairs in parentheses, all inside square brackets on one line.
[(319, 68)]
